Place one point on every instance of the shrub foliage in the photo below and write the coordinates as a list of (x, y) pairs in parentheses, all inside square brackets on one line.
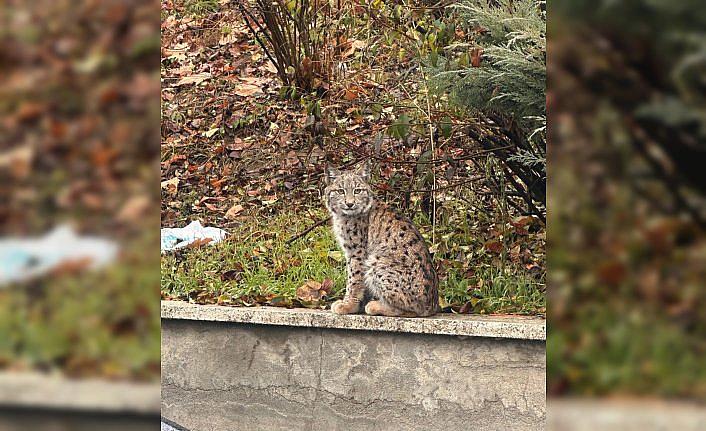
[(499, 76)]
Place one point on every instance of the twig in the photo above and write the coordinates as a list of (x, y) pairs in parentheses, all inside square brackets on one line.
[(306, 232), (450, 186), (425, 162), (640, 141), (247, 14)]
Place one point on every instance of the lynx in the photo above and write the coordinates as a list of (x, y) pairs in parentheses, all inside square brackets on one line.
[(388, 262)]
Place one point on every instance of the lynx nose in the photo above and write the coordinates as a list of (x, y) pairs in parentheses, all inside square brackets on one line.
[(349, 204)]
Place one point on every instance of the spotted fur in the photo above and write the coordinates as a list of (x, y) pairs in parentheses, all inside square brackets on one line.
[(388, 262)]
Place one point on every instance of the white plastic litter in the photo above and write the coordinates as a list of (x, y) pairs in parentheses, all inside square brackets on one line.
[(25, 258), (175, 238)]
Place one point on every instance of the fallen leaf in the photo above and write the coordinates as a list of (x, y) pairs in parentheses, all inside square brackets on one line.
[(134, 209), (228, 39), (476, 56), (493, 246), (193, 79), (246, 90), (234, 211), (313, 291), (309, 291), (239, 145), (269, 200), (515, 253), (351, 46), (232, 274), (30, 111), (199, 242), (18, 160), (522, 221), (280, 301), (211, 207), (336, 255), (327, 286), (211, 132), (223, 299), (174, 159), (350, 95), (171, 185), (270, 67), (216, 183), (612, 273), (520, 224)]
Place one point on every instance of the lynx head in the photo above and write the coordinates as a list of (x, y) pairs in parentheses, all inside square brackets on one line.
[(348, 193)]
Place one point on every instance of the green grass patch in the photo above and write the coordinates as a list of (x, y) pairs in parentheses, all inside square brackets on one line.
[(96, 323), (493, 290), (619, 352), (256, 265), (200, 7)]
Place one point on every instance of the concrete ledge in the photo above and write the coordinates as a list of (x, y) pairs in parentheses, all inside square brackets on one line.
[(49, 391), (251, 369), (512, 327), (577, 414)]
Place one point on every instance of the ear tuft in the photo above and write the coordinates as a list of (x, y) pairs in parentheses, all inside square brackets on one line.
[(364, 170), (331, 174)]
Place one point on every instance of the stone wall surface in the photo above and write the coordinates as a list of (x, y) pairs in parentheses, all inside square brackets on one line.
[(585, 414), (28, 390), (240, 376), (39, 419), (54, 402), (501, 326)]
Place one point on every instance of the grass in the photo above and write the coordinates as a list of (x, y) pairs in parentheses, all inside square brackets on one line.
[(97, 323), (636, 352), (200, 7), (493, 290), (257, 266)]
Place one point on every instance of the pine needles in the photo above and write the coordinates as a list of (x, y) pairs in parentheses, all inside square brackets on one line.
[(499, 76)]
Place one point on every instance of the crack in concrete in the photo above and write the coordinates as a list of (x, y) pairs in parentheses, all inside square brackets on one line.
[(318, 389), (292, 388), (371, 411), (318, 383), (252, 354)]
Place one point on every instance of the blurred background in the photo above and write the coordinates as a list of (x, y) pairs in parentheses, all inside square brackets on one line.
[(79, 211), (626, 245), (79, 274)]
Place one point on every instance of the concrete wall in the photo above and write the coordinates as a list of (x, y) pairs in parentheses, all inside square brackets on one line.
[(240, 377), (625, 414), (39, 419), (52, 402)]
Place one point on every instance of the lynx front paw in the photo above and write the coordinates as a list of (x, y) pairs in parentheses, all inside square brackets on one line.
[(345, 307), (373, 308), (379, 308)]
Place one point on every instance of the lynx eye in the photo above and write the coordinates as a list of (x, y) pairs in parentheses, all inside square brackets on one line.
[(337, 191), (357, 191)]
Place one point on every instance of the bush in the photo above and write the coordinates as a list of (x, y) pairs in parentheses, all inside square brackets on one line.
[(296, 36), (499, 76)]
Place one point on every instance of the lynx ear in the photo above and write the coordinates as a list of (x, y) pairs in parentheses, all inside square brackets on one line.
[(331, 174), (364, 171)]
